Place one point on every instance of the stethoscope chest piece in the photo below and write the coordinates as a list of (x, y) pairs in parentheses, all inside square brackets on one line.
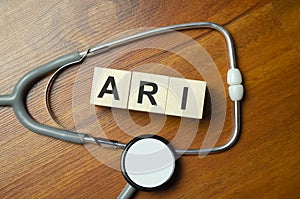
[(148, 162)]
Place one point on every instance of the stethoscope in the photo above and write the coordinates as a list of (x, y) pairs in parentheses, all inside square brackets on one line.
[(148, 162)]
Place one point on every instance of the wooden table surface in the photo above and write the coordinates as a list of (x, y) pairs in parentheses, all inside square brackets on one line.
[(263, 164)]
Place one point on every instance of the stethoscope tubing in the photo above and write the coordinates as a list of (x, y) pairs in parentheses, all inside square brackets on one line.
[(17, 99)]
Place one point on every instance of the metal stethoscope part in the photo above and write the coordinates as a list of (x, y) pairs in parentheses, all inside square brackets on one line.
[(17, 99)]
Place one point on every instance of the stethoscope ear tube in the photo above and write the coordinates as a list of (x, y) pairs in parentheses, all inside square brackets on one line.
[(17, 99)]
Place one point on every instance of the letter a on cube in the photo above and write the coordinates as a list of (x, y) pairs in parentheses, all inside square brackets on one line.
[(110, 87)]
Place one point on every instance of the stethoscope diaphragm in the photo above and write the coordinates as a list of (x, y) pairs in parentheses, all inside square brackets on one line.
[(148, 162)]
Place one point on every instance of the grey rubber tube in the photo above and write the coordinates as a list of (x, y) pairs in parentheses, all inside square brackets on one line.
[(18, 99), (127, 192)]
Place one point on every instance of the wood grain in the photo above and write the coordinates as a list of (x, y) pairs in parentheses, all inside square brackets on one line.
[(264, 163)]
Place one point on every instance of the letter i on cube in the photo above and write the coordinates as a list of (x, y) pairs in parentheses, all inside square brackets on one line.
[(148, 92)]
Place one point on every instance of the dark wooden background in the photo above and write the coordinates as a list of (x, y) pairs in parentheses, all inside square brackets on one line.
[(264, 163)]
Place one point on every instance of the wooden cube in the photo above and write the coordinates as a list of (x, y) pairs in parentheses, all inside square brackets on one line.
[(110, 87), (185, 98), (148, 92)]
